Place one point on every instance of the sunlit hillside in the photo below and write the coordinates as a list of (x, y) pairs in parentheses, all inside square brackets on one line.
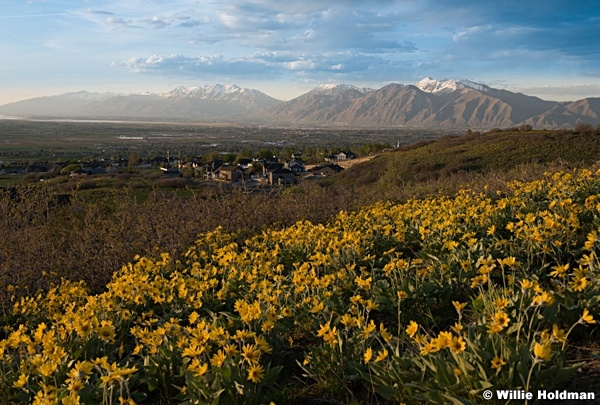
[(436, 299)]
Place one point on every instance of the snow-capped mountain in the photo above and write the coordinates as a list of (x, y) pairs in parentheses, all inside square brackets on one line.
[(320, 105), (428, 103), (211, 102), (431, 103), (213, 91), (429, 85), (340, 88)]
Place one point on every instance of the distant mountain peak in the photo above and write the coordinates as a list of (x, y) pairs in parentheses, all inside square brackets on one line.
[(429, 85), (340, 88), (208, 90)]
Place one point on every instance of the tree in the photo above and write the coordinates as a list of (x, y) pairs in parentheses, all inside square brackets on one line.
[(266, 153), (70, 168), (243, 154), (584, 129), (134, 160)]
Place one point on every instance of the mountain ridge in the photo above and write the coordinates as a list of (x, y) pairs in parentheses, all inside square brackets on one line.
[(428, 103)]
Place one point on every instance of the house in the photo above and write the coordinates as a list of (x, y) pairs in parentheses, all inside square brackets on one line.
[(212, 169), (267, 168), (193, 164), (281, 177), (343, 155), (346, 155), (326, 170), (295, 165), (230, 173), (266, 161)]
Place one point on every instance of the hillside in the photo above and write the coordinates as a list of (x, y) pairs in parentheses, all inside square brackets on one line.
[(431, 301), (451, 159)]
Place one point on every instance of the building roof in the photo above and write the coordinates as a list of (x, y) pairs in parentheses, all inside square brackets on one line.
[(228, 168)]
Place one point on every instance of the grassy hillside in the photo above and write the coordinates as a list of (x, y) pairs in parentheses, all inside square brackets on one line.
[(433, 300), (449, 162)]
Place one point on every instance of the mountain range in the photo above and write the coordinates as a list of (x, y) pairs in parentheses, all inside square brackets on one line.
[(428, 103)]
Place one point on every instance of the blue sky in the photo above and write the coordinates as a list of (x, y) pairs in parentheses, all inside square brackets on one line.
[(284, 48)]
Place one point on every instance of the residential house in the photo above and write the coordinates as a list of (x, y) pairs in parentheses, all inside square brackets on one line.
[(230, 173), (326, 170), (295, 165), (343, 155), (211, 169), (346, 155), (281, 177), (267, 168), (266, 161)]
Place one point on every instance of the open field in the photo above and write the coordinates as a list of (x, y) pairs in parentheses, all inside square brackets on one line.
[(51, 140)]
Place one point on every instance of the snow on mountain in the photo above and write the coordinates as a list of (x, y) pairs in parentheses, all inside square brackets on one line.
[(210, 91), (444, 103), (430, 85), (340, 88)]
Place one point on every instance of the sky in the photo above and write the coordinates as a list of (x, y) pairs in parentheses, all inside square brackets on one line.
[(546, 48)]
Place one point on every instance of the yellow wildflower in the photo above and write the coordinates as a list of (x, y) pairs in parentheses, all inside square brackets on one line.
[(459, 306), (497, 362), (381, 355), (218, 359), (384, 333), (106, 331), (586, 317), (412, 328), (443, 340), (250, 353), (558, 334), (458, 345), (256, 373), (193, 351), (526, 284), (545, 298), (501, 319), (579, 284), (368, 329), (542, 351), (501, 303), (198, 368), (21, 382), (331, 336)]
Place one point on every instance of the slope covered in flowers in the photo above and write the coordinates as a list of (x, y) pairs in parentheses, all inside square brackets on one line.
[(435, 299)]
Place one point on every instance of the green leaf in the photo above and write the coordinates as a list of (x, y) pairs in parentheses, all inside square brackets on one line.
[(443, 377), (151, 382), (387, 392)]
